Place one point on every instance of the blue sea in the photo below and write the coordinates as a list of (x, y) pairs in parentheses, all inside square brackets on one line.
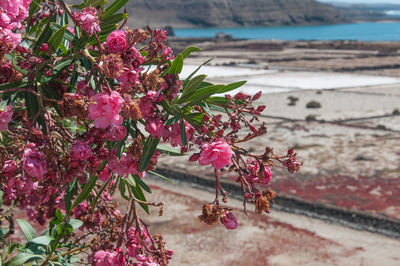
[(366, 31)]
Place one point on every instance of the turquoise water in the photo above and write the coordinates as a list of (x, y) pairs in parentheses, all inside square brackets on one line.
[(368, 31)]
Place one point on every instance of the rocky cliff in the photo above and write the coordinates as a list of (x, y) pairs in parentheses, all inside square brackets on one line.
[(230, 13)]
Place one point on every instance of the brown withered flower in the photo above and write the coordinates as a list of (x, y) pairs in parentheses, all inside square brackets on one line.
[(262, 203), (210, 213), (153, 81), (131, 109), (111, 65), (74, 105)]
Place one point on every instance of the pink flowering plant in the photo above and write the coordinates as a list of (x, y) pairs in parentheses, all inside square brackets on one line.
[(85, 112)]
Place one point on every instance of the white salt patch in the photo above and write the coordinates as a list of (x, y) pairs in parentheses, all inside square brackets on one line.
[(222, 71), (318, 80)]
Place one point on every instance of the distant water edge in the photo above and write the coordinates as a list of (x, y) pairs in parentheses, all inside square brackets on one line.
[(363, 31)]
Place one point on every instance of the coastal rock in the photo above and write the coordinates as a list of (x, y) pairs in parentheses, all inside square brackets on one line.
[(230, 13)]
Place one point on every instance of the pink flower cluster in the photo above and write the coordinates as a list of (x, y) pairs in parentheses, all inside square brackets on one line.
[(125, 166), (106, 109), (5, 117), (12, 13), (257, 174), (116, 41), (109, 258), (87, 20), (34, 162), (218, 154)]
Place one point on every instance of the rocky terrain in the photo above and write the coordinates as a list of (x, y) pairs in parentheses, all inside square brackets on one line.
[(230, 13)]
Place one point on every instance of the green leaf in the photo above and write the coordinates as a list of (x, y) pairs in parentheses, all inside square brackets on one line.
[(141, 183), (68, 35), (85, 191), (191, 86), (7, 86), (22, 258), (27, 229), (114, 7), (232, 86), (42, 240), (75, 223), (148, 151), (122, 189), (99, 193), (1, 197), (177, 65), (163, 177), (138, 193), (60, 67), (71, 192), (183, 134), (112, 20), (189, 50), (202, 94), (169, 150), (44, 37), (172, 120), (196, 119), (194, 72), (57, 38)]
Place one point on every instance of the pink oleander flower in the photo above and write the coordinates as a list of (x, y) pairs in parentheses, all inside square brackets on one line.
[(156, 128), (126, 165), (106, 110), (9, 40), (142, 260), (116, 41), (105, 174), (117, 133), (129, 77), (87, 20), (104, 258), (176, 138), (229, 220), (34, 162), (134, 55), (255, 176), (80, 151), (9, 166), (12, 13), (5, 117), (167, 54), (218, 154)]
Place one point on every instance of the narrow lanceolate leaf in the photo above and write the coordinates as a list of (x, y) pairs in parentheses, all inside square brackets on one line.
[(27, 229), (148, 151), (44, 37), (232, 86), (191, 87), (138, 193), (202, 94), (42, 240), (114, 7), (75, 223), (85, 191), (177, 65), (60, 67), (6, 86), (183, 134), (163, 177), (141, 183), (189, 50), (114, 19), (57, 38), (22, 258), (194, 72), (169, 150)]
